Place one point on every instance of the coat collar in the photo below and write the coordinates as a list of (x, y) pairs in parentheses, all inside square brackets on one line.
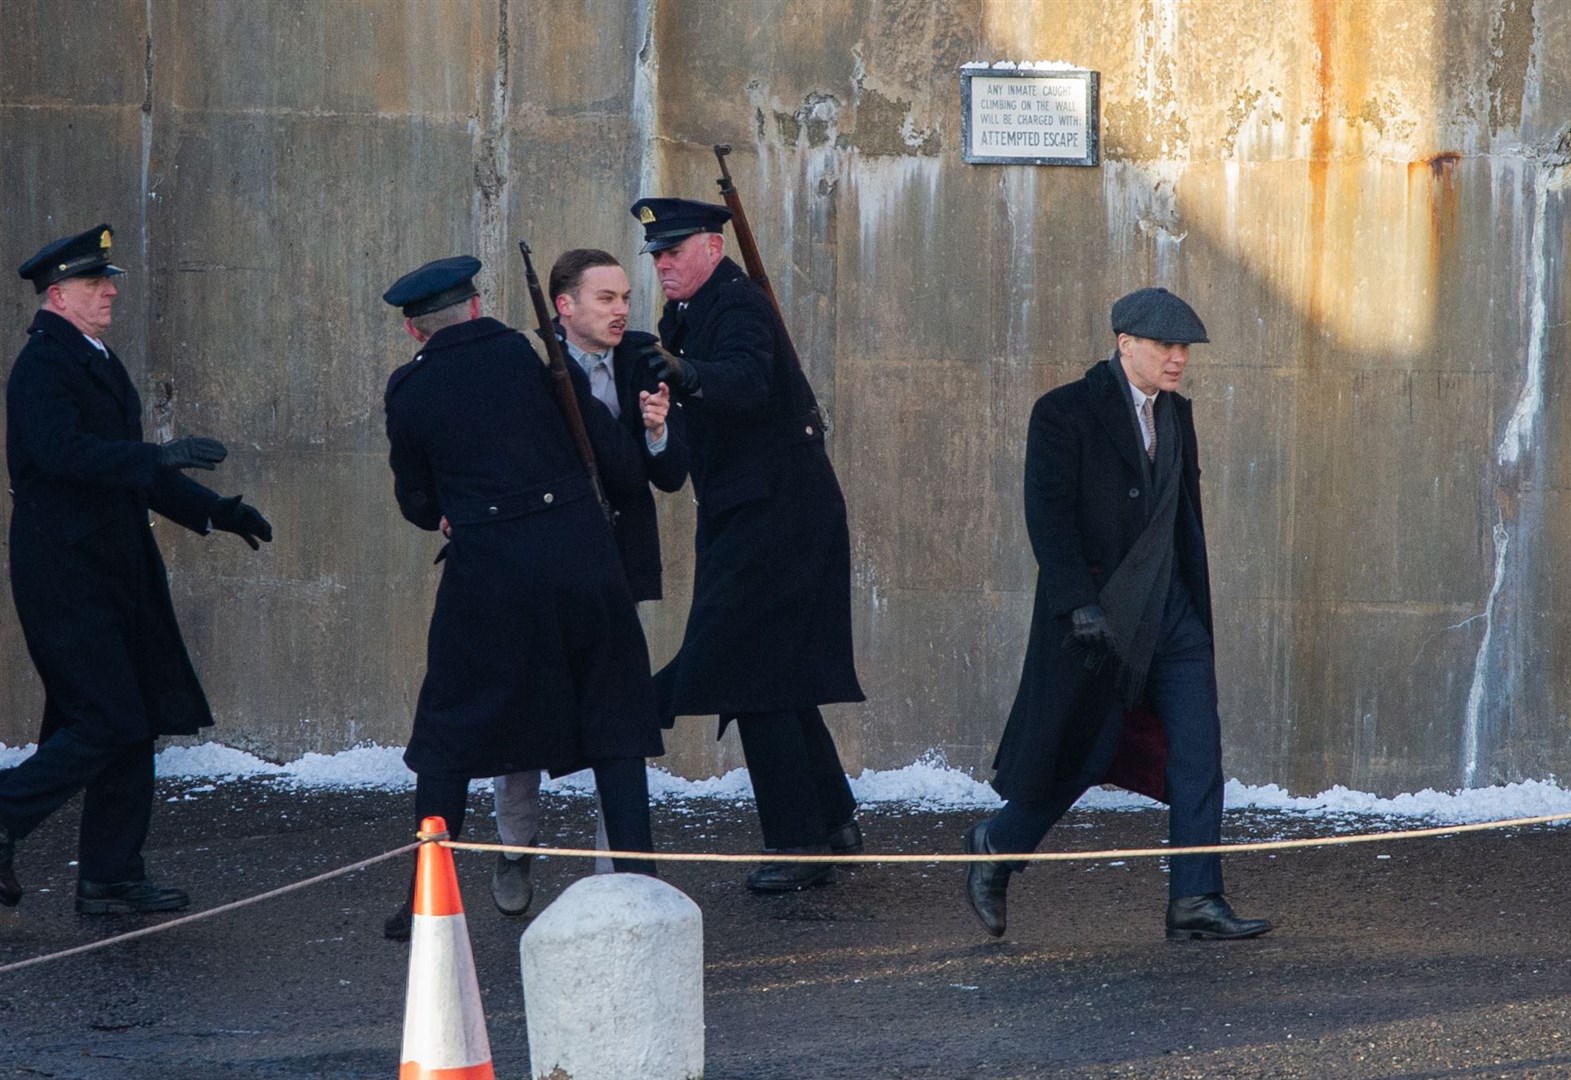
[(448, 337), (463, 333), (623, 355), (708, 293), (61, 330), (103, 366)]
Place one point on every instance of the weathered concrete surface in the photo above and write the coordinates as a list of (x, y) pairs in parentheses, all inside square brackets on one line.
[(1365, 200)]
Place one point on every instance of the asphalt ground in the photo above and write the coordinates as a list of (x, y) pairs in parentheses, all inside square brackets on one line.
[(1434, 958)]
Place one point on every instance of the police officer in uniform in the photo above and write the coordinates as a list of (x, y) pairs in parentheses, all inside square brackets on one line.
[(535, 657), (89, 584), (768, 638), (1119, 681)]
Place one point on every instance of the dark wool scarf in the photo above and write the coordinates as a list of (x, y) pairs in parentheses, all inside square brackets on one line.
[(1135, 595)]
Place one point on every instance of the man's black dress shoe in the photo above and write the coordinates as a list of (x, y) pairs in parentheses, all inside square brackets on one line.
[(399, 925), (987, 883), (10, 888), (1209, 916), (791, 876), (847, 839), (127, 897)]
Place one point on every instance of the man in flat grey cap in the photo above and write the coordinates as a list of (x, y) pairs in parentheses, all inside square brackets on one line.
[(1119, 681), (89, 584)]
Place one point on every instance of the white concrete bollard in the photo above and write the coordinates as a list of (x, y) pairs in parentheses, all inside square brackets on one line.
[(613, 976)]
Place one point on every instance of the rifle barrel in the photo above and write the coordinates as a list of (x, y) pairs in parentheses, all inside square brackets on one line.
[(562, 382)]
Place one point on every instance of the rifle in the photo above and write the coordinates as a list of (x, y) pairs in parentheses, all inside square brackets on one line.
[(751, 260), (562, 383), (753, 263)]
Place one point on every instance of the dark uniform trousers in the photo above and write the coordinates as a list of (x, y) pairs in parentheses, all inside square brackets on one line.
[(79, 751), (116, 780), (1181, 689), (782, 750)]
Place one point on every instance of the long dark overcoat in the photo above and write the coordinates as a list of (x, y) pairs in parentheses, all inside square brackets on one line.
[(1086, 502), (89, 584), (770, 624), (535, 658), (637, 528)]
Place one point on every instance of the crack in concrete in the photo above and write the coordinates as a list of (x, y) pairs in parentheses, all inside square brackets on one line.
[(493, 144)]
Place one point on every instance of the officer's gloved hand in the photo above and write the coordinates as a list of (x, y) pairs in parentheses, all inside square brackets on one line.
[(675, 371), (1089, 629), (246, 522), (193, 452)]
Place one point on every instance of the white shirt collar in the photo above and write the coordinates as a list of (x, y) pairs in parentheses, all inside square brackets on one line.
[(1139, 397)]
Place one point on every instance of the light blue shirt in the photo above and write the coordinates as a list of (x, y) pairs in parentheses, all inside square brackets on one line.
[(602, 384)]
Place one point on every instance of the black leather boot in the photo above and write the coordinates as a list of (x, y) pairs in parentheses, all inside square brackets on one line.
[(128, 897), (987, 883), (1209, 916), (846, 839)]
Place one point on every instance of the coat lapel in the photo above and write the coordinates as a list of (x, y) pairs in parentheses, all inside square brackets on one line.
[(1111, 403), (105, 368)]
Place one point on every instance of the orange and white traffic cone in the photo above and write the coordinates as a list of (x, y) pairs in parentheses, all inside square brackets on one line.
[(444, 1024)]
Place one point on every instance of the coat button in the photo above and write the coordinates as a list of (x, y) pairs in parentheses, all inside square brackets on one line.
[(490, 510), (1134, 493), (809, 429), (549, 497)]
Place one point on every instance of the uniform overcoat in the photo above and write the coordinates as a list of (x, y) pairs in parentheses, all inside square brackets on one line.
[(1087, 500), (89, 583), (535, 658), (770, 624), (637, 528)]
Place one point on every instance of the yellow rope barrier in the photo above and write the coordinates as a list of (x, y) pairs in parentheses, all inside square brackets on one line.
[(1046, 856), (753, 857), (210, 912)]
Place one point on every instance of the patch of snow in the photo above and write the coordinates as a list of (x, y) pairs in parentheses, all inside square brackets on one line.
[(929, 783)]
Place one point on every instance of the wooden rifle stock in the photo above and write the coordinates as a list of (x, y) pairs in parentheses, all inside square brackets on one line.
[(562, 382), (752, 262)]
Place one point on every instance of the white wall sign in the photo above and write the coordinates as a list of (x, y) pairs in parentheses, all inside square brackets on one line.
[(1029, 114)]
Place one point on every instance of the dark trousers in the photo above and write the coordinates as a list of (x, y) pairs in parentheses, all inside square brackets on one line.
[(798, 782), (116, 780), (623, 786), (1181, 688)]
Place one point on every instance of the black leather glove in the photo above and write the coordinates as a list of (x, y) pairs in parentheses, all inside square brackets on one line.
[(675, 371), (246, 522), (194, 452), (1088, 628)]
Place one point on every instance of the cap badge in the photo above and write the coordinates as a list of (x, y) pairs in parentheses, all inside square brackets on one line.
[(646, 216), (103, 240)]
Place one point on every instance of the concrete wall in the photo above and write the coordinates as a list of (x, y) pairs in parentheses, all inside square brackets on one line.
[(1365, 200)]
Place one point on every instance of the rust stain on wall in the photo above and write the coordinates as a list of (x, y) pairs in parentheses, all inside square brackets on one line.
[(1434, 179), (1319, 165)]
